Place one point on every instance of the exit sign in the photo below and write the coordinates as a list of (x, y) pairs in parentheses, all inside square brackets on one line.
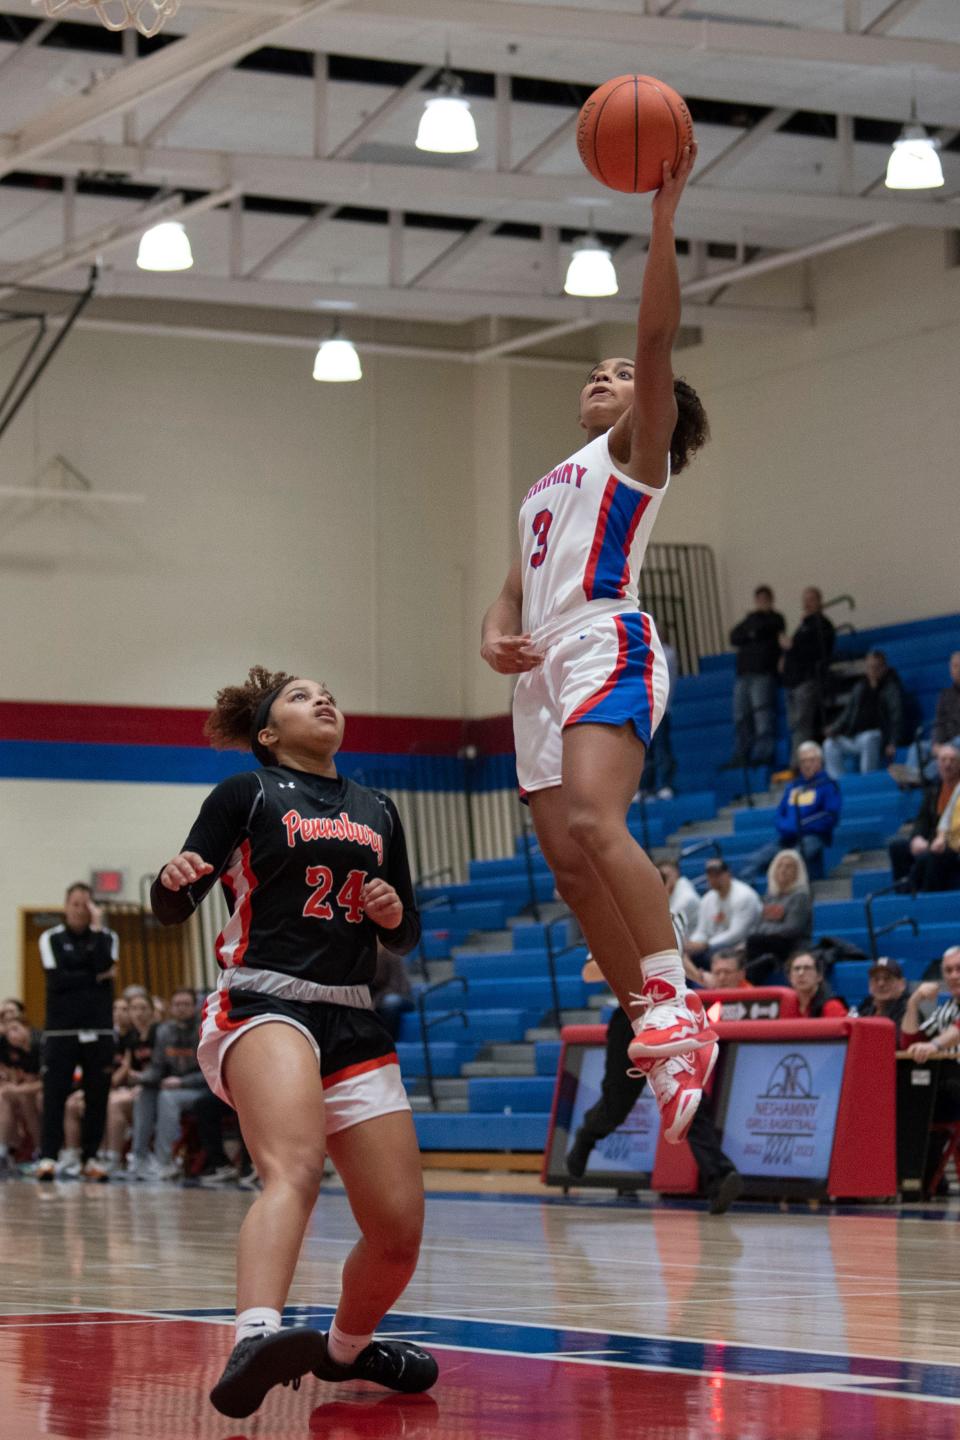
[(107, 884)]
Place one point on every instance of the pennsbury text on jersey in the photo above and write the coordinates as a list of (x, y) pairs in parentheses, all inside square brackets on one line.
[(340, 827)]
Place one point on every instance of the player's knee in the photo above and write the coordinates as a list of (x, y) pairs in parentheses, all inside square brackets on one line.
[(397, 1241), (302, 1173), (590, 828)]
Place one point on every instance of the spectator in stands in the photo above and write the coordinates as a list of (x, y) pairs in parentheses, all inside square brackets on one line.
[(171, 1084), (757, 643), (941, 1030), (805, 978), (390, 989), (137, 1053), (938, 1034), (726, 970), (945, 731), (660, 767), (79, 964), (787, 917), (871, 725), (888, 992), (619, 1092), (804, 665), (726, 915), (683, 897), (20, 1087), (11, 1009), (806, 817), (907, 855)]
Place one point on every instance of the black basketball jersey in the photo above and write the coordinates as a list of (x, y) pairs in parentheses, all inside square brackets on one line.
[(292, 852)]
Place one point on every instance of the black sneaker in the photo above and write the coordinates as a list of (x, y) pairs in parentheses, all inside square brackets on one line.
[(393, 1363), (579, 1153), (729, 1189), (260, 1362)]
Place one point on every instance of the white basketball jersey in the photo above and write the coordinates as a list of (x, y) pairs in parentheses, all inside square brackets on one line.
[(584, 530)]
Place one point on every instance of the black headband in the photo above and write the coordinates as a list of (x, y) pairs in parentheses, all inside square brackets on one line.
[(260, 718)]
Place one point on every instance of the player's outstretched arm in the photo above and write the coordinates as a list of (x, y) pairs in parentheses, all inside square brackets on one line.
[(641, 437), (502, 644)]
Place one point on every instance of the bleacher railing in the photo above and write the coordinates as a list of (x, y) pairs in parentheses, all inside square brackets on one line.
[(679, 588)]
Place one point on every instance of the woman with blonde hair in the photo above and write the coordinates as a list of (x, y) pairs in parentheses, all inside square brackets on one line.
[(787, 917)]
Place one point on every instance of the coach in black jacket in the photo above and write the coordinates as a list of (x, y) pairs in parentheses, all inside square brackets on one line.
[(79, 962)]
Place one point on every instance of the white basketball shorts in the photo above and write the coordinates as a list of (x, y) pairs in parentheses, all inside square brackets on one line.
[(611, 672)]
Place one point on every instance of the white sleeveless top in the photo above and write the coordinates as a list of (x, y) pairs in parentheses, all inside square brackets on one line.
[(584, 530)]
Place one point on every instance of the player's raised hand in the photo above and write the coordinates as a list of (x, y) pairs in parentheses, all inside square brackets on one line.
[(511, 654), (183, 870), (382, 904), (667, 197)]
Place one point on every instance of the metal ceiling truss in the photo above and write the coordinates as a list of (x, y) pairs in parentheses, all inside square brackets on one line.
[(482, 199)]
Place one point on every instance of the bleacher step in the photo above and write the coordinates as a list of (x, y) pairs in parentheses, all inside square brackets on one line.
[(550, 1032), (420, 1104), (521, 1053), (484, 1069), (439, 970)]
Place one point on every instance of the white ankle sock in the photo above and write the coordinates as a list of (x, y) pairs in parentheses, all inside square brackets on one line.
[(664, 965), (258, 1320), (344, 1349)]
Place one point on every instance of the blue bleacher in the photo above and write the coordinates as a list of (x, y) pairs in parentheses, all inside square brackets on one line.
[(446, 1057), (499, 1026), (509, 965), (444, 1131), (511, 1094), (509, 988), (547, 1057), (529, 992)]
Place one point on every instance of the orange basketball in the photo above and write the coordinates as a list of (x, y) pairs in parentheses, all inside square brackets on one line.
[(627, 129)]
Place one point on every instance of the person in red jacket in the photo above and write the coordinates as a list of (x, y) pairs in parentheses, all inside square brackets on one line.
[(805, 976)]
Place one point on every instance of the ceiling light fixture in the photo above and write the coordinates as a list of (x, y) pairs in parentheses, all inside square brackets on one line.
[(591, 271), (447, 125), (165, 247), (337, 361), (914, 163)]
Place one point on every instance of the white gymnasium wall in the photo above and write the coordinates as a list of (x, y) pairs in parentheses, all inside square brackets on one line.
[(288, 522), (317, 528), (834, 452)]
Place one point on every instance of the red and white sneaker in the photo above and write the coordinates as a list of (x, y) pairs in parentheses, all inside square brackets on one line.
[(678, 1082), (675, 1023)]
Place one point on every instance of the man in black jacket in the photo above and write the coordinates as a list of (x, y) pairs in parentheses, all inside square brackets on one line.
[(908, 856), (757, 643), (79, 963), (871, 725), (804, 665)]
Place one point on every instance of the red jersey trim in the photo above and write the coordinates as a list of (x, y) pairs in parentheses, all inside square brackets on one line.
[(363, 1066)]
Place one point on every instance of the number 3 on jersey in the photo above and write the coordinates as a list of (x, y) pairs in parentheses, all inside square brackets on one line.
[(318, 907), (541, 528)]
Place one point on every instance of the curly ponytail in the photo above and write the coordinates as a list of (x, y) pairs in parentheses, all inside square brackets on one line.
[(692, 430), (229, 724)]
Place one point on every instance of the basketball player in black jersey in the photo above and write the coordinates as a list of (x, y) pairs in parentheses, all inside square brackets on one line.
[(314, 869)]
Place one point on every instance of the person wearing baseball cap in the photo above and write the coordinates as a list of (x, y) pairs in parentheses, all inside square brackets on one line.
[(888, 991)]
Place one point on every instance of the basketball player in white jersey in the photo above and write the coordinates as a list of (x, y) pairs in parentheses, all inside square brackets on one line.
[(593, 680)]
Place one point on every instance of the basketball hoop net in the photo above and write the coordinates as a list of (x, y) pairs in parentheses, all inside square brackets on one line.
[(148, 16)]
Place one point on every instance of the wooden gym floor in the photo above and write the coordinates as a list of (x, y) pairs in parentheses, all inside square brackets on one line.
[(578, 1319)]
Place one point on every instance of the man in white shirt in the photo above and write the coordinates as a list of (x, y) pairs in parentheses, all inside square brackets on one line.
[(727, 914), (684, 900)]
